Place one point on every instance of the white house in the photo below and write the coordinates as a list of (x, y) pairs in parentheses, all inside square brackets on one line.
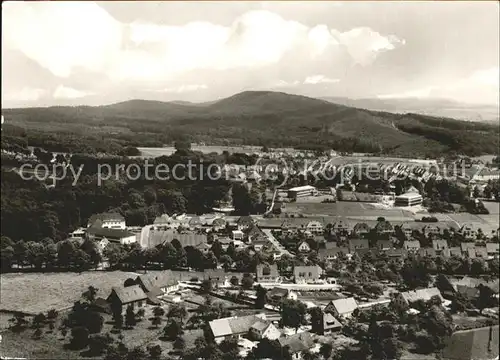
[(107, 220)]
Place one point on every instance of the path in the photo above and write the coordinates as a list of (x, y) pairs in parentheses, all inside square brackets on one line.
[(276, 243)]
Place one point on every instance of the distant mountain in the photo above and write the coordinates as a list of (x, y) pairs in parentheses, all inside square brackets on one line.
[(432, 107), (275, 119)]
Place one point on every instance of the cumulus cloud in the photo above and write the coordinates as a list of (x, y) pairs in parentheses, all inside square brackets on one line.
[(319, 79), (25, 94), (61, 37), (63, 92)]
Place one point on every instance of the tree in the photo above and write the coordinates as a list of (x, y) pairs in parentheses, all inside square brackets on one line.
[(158, 311), (155, 352), (179, 344), (177, 311), (293, 313), (486, 298), (90, 294), (99, 344), (79, 337), (247, 281), (130, 317), (260, 300), (234, 281), (316, 320), (326, 350), (156, 321), (39, 320), (137, 353), (172, 330), (206, 286), (226, 262)]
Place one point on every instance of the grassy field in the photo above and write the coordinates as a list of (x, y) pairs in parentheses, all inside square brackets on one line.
[(347, 209), (53, 345), (39, 292)]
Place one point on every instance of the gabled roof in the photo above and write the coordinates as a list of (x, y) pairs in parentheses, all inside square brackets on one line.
[(323, 253), (344, 306), (439, 244), (129, 294), (157, 280), (189, 239), (330, 322), (411, 244), (476, 344), (360, 227), (233, 325), (421, 294), (297, 342), (430, 252)]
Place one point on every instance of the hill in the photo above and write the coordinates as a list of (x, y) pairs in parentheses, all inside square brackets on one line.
[(264, 117)]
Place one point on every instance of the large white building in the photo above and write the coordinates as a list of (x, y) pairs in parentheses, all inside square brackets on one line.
[(301, 191), (408, 199)]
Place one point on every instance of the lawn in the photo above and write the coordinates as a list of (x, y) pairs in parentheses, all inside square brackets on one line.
[(39, 292)]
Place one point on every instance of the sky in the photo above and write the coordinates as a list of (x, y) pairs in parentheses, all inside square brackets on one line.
[(94, 53)]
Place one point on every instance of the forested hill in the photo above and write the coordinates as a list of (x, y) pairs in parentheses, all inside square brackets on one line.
[(263, 118)]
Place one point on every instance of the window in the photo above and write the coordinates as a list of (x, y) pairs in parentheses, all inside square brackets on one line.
[(310, 274)]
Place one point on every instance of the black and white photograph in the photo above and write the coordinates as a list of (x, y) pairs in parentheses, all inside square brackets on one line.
[(246, 180)]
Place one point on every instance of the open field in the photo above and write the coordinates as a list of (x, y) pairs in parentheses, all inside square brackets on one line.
[(39, 292), (493, 207), (348, 209)]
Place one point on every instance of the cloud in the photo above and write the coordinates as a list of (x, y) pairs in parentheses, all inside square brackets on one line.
[(63, 92), (64, 37), (482, 86), (319, 79), (25, 94)]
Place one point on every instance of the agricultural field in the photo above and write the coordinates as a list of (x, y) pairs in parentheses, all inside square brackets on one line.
[(32, 293)]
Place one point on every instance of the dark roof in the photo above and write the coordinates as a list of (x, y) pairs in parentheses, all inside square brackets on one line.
[(266, 270), (476, 344), (276, 291), (109, 233), (129, 294), (156, 280), (297, 342), (245, 220), (329, 322)]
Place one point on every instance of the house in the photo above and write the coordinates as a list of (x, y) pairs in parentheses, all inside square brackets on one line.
[(361, 229), (427, 252), (492, 249), (245, 222), (409, 297), (439, 245), (264, 330), (218, 224), (468, 231), (452, 251), (342, 307), (341, 228), (260, 244), (358, 244), (216, 276), (384, 244), (477, 344), (467, 245), (158, 284), (195, 223), (306, 274), (384, 227), (276, 295), (233, 326), (254, 233), (108, 220), (431, 230), (407, 229), (238, 235), (267, 273), (477, 252), (113, 235), (330, 254), (475, 282), (301, 191), (122, 297), (304, 247), (330, 324), (411, 245), (296, 344), (315, 227), (397, 254)]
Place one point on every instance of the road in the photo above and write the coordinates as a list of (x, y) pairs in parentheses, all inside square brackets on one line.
[(276, 243)]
